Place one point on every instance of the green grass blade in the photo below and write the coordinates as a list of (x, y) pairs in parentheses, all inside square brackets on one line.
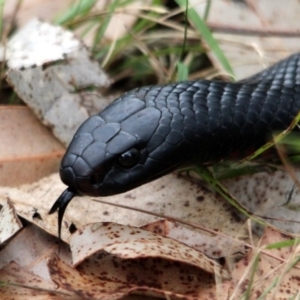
[(283, 244), (223, 171), (207, 36), (275, 282), (2, 2), (80, 8), (142, 25), (275, 140), (218, 187), (182, 72), (247, 294), (207, 9), (102, 28)]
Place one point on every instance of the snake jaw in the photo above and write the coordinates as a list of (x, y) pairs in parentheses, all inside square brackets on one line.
[(61, 204)]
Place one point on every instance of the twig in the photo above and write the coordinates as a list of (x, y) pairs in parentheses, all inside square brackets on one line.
[(253, 31)]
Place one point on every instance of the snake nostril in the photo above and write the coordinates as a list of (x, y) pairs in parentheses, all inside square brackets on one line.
[(96, 179)]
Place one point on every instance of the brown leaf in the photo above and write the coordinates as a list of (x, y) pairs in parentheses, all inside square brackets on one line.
[(213, 246), (31, 248), (131, 243), (250, 53), (274, 273), (271, 196), (171, 195), (153, 276), (28, 150), (82, 284), (9, 221), (42, 9), (108, 277), (18, 283)]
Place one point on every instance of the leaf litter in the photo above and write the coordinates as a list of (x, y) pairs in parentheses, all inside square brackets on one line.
[(136, 257), (47, 69), (232, 21), (23, 266), (28, 151), (275, 271), (218, 246), (9, 221), (19, 283), (175, 278), (128, 242), (119, 260), (66, 86)]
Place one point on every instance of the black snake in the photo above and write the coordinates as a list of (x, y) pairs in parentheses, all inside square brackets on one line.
[(151, 131)]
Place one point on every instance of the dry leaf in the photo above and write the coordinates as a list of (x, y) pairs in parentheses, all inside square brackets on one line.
[(103, 276), (250, 53), (276, 277), (128, 243), (272, 196), (29, 151), (85, 285), (39, 43), (49, 68), (47, 10), (31, 248), (218, 246), (171, 195), (19, 283), (153, 276), (42, 9), (9, 221)]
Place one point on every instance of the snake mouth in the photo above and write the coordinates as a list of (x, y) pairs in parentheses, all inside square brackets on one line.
[(68, 177)]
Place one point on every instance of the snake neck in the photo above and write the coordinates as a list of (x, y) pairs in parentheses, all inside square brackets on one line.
[(208, 121)]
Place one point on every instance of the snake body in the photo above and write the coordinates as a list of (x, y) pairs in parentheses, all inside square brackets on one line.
[(151, 131)]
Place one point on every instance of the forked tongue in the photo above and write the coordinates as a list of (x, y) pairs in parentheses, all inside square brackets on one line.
[(61, 204)]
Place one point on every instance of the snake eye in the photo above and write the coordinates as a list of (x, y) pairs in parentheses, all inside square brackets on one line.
[(129, 158)]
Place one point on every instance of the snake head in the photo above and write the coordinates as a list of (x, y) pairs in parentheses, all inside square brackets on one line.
[(141, 136), (133, 141), (109, 153)]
